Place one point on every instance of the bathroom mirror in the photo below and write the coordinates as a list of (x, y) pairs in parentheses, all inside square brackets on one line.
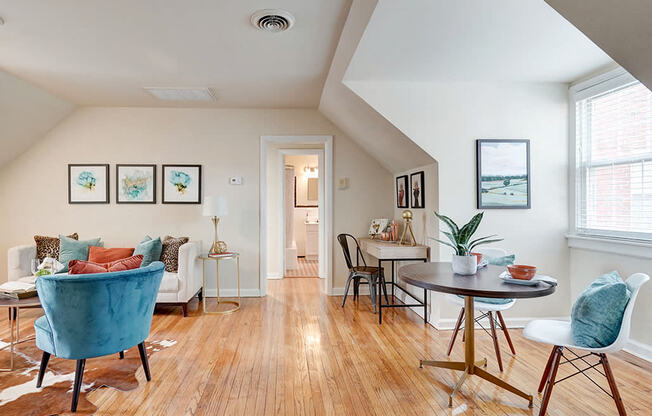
[(313, 189), (306, 192)]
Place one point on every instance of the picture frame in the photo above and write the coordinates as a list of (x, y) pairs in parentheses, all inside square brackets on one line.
[(135, 184), (181, 184), (503, 179), (377, 226), (417, 190), (402, 192), (88, 183)]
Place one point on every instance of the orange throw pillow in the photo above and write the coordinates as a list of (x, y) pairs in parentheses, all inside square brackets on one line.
[(129, 263), (89, 267), (108, 255)]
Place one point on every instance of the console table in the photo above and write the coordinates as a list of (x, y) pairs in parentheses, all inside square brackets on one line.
[(392, 251)]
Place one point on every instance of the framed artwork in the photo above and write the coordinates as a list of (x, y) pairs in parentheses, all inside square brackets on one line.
[(402, 192), (416, 190), (503, 173), (378, 225), (181, 184), (135, 184), (88, 184)]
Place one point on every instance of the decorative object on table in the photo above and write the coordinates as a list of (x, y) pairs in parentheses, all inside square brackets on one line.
[(88, 184), (402, 190), (72, 249), (135, 184), (394, 230), (170, 252), (218, 258), (49, 246), (49, 265), (378, 225), (550, 281), (181, 184), (417, 190), (463, 261), (17, 290), (503, 173), (521, 271), (216, 207), (407, 217)]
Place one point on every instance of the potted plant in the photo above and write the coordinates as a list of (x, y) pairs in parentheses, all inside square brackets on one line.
[(460, 240)]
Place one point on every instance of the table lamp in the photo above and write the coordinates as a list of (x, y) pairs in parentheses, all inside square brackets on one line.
[(215, 207)]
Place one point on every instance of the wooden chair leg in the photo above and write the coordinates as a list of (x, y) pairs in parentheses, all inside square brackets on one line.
[(44, 365), (612, 385), (122, 355), (495, 337), (79, 376), (502, 325), (455, 331), (346, 289), (546, 371), (143, 358), (551, 380)]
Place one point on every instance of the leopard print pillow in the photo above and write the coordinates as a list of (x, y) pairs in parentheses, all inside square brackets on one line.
[(170, 252), (49, 246)]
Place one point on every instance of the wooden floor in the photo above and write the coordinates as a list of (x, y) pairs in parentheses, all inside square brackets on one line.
[(305, 268), (297, 352)]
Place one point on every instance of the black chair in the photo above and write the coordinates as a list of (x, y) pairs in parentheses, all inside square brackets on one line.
[(357, 272)]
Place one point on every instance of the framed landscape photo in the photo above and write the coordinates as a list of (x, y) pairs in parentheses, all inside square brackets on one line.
[(181, 184), (135, 184), (503, 173), (402, 192), (417, 190), (88, 184)]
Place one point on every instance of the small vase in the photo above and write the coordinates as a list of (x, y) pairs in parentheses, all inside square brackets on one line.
[(465, 265)]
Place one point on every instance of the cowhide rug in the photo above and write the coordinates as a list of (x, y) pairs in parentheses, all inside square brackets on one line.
[(19, 395)]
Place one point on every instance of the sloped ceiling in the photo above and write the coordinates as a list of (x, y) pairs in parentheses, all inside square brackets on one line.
[(395, 151), (622, 28), (26, 114)]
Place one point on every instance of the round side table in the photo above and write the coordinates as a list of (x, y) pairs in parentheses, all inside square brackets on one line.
[(218, 259), (14, 307)]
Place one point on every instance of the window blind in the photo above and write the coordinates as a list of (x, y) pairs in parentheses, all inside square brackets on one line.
[(613, 178)]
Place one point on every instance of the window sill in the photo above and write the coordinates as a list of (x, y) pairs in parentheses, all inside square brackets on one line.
[(631, 248)]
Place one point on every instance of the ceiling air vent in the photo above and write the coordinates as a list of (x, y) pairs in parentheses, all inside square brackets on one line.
[(272, 20), (182, 94)]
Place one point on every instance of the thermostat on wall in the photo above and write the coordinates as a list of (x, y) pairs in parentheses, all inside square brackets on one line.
[(343, 183), (235, 180)]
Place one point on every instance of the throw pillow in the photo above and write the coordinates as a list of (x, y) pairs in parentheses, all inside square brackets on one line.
[(85, 267), (49, 246), (107, 255), (598, 312), (149, 249), (89, 267), (170, 252), (72, 249), (129, 263)]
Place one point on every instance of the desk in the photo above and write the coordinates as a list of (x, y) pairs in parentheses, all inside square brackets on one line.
[(392, 251)]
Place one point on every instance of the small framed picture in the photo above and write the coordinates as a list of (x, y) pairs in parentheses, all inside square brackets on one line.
[(181, 184), (135, 184), (402, 192), (377, 226), (88, 184), (417, 190), (503, 173)]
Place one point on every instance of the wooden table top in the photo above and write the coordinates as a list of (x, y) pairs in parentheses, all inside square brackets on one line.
[(439, 276), (20, 303)]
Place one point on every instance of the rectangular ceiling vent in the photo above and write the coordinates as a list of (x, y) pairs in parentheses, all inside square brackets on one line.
[(182, 94)]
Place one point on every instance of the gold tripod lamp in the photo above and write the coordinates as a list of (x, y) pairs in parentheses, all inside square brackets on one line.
[(215, 207), (407, 216)]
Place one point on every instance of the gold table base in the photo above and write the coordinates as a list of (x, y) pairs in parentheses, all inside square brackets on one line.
[(235, 256), (469, 366), (13, 331)]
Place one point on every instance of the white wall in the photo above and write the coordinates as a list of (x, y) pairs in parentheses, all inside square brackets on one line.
[(446, 119), (33, 187)]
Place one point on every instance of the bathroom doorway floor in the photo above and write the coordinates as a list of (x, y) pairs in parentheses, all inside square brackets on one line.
[(307, 268)]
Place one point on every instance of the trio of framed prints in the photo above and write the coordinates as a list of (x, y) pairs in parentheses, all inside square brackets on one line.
[(134, 184), (410, 191)]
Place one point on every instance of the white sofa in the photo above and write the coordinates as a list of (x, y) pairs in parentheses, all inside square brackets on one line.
[(176, 289)]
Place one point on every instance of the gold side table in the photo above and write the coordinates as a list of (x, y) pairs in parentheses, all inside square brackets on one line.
[(217, 259)]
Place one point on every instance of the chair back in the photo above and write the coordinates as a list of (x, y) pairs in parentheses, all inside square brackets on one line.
[(491, 251), (344, 243), (634, 283), (92, 315)]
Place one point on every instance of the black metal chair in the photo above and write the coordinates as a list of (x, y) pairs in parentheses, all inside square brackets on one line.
[(357, 272)]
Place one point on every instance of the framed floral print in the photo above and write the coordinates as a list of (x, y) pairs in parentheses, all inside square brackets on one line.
[(135, 184), (88, 184), (181, 184)]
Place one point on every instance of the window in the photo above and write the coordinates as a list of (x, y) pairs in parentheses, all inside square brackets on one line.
[(613, 158)]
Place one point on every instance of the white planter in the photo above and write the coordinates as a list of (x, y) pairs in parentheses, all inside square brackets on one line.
[(465, 265)]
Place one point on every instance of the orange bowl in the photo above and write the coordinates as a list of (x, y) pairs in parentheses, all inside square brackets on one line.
[(521, 271), (479, 256)]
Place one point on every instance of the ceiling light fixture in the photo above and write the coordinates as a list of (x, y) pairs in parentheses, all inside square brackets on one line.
[(182, 94), (272, 20)]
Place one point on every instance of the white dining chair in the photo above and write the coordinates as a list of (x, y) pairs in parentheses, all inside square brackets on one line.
[(492, 312), (558, 333)]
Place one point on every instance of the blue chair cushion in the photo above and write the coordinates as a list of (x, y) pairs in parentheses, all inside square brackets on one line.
[(501, 261), (71, 249), (44, 339), (150, 249), (598, 312)]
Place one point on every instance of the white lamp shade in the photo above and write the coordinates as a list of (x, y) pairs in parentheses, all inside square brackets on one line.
[(215, 206)]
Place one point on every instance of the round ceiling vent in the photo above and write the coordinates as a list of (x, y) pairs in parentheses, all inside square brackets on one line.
[(272, 20)]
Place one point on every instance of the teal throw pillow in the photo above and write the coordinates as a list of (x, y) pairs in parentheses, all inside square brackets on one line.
[(598, 313), (501, 261), (150, 250), (71, 249)]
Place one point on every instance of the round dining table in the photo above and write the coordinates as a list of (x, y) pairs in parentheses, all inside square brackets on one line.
[(439, 277)]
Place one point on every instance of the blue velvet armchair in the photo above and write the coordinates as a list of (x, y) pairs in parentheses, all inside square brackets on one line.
[(93, 315)]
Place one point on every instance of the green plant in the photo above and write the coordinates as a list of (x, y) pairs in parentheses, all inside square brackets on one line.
[(460, 238)]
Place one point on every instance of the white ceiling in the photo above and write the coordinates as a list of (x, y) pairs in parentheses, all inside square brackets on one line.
[(472, 40), (99, 52)]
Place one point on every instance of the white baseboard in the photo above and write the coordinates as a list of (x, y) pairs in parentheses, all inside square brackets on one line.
[(274, 276), (231, 293), (639, 349)]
